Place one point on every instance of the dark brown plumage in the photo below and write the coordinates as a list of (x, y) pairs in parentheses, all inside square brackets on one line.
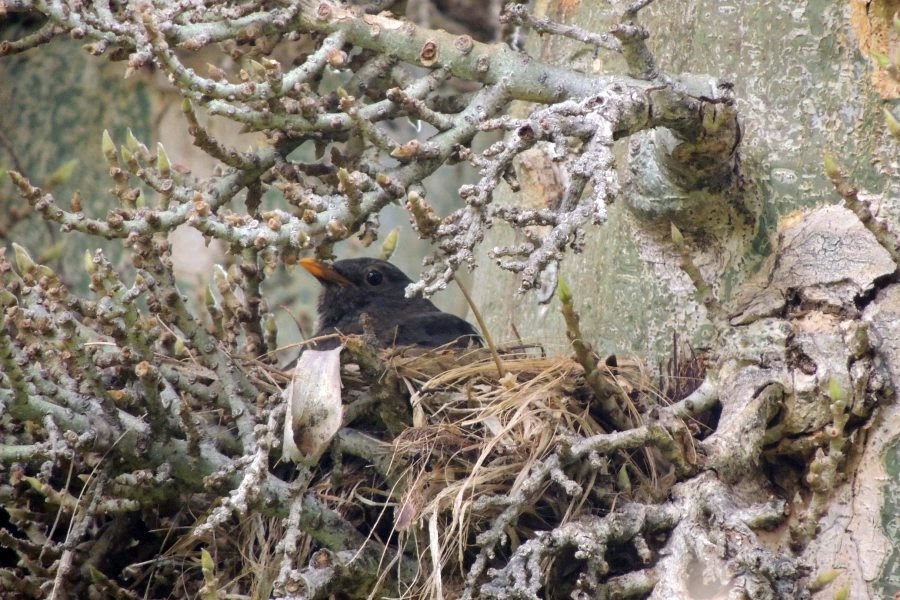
[(366, 285)]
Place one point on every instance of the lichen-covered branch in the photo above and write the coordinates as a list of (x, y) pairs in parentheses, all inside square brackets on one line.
[(368, 52), (85, 373), (128, 403)]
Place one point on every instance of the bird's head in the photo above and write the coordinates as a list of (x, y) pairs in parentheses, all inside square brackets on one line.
[(351, 285)]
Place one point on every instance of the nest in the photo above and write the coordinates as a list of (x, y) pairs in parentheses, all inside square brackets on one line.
[(445, 455), (477, 430)]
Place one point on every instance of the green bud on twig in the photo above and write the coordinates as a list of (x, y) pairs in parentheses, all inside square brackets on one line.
[(562, 289), (832, 169), (7, 298), (206, 562), (135, 145), (23, 259), (677, 236), (220, 277), (390, 243), (162, 161), (346, 184), (209, 591), (883, 61), (623, 481), (824, 579), (128, 158), (89, 265), (209, 298), (62, 174), (109, 149), (892, 123), (179, 348), (835, 391), (215, 72), (257, 68)]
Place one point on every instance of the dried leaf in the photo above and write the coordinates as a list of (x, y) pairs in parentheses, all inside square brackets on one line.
[(314, 405)]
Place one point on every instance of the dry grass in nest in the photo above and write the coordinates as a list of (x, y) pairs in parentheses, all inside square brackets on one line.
[(475, 437)]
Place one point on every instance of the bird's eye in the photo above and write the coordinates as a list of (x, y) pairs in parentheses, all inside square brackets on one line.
[(374, 278)]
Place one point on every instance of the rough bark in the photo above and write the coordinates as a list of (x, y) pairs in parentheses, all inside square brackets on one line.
[(806, 82), (728, 232)]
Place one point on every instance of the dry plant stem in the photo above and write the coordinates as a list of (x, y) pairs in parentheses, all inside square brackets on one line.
[(191, 205), (239, 393), (605, 393), (206, 88), (184, 378), (358, 408), (7, 144), (109, 587), (331, 122), (293, 533), (330, 570), (704, 500), (63, 568), (29, 553), (464, 57), (634, 7), (514, 504), (703, 290), (28, 454), (294, 231), (151, 381), (636, 584), (488, 339), (654, 432), (81, 521), (598, 120), (192, 437), (416, 107), (251, 321)]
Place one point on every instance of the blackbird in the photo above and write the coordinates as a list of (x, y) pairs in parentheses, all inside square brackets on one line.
[(352, 288), (366, 285)]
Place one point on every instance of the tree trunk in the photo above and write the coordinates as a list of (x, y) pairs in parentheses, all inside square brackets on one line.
[(767, 282), (803, 88)]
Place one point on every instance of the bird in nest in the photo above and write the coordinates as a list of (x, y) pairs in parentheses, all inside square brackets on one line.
[(353, 288)]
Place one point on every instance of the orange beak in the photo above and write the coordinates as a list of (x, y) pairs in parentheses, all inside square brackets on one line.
[(323, 271)]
